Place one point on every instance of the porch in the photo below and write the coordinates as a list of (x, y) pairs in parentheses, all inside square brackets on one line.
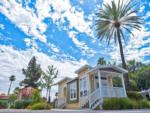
[(105, 83)]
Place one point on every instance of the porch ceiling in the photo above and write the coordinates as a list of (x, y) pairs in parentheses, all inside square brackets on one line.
[(109, 69)]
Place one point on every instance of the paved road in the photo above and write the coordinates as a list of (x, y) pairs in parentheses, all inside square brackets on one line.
[(75, 111)]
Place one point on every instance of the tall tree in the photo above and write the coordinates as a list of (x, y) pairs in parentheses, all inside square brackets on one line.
[(12, 78), (101, 61), (114, 21), (48, 79), (32, 74)]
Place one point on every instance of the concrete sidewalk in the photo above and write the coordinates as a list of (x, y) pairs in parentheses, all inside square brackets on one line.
[(73, 111)]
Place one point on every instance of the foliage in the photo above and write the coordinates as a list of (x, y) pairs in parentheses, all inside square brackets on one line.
[(32, 74), (36, 97), (143, 80), (124, 103), (101, 61), (16, 90), (117, 81), (3, 104), (116, 19), (22, 104), (48, 79), (139, 76), (11, 79), (40, 106), (134, 95), (12, 98)]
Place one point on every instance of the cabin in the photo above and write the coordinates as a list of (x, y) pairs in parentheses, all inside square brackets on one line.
[(91, 86)]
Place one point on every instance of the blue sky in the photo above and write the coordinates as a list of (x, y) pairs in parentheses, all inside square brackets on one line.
[(60, 32)]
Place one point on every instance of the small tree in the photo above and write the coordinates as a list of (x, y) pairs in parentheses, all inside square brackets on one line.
[(48, 79), (11, 79), (32, 74)]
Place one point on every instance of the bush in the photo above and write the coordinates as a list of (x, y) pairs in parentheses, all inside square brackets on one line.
[(134, 95), (36, 97), (39, 106), (143, 104), (117, 103), (3, 104), (124, 103), (22, 104)]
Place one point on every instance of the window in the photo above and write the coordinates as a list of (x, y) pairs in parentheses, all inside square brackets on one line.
[(73, 91), (83, 87)]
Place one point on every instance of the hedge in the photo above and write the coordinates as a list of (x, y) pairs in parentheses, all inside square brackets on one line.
[(22, 104), (124, 103)]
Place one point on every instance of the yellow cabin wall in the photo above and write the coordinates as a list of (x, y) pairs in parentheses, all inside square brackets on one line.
[(73, 106), (61, 93)]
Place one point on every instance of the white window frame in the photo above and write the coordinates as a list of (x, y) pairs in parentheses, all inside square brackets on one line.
[(73, 90), (83, 85)]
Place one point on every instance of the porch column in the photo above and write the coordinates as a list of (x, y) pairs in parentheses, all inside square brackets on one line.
[(99, 80), (123, 84)]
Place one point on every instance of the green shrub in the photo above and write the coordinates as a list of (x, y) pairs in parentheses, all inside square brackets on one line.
[(118, 103), (12, 106), (124, 103), (22, 104), (36, 97), (134, 95), (3, 104), (143, 104), (40, 106)]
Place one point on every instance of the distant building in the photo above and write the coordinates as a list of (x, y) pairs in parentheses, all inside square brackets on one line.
[(25, 93), (3, 97)]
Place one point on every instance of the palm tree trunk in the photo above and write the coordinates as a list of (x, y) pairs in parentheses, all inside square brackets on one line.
[(123, 59), (49, 97), (9, 88)]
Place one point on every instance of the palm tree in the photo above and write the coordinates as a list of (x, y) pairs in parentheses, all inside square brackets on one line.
[(101, 61), (113, 21), (11, 79)]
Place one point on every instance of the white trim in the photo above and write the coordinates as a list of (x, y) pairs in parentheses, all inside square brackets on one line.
[(123, 85), (74, 87), (99, 78)]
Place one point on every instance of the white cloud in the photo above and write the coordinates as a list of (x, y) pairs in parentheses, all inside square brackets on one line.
[(32, 23), (83, 47), (2, 26), (12, 62), (133, 49), (24, 18), (53, 48)]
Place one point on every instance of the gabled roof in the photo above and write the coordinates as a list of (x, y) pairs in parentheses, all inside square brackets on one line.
[(82, 68), (109, 68), (76, 78), (62, 80)]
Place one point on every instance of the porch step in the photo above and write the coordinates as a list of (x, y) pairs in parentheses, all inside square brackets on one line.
[(97, 103)]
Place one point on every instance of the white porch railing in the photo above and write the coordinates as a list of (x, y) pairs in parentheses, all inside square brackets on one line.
[(110, 92), (106, 92), (94, 97)]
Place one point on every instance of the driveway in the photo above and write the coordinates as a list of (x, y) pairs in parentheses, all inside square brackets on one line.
[(75, 111)]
